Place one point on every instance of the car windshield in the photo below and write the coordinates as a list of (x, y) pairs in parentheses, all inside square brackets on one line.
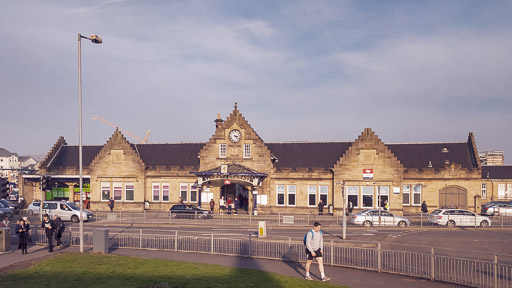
[(74, 207), (436, 212)]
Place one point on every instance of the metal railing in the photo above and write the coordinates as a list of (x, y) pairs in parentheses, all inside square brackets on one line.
[(488, 271)]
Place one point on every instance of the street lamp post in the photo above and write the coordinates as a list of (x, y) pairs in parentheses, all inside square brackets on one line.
[(94, 39)]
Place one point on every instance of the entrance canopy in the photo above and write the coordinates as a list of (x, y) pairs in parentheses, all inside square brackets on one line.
[(231, 172)]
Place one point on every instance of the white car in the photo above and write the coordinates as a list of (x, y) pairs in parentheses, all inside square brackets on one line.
[(458, 217), (370, 218), (34, 207), (67, 211)]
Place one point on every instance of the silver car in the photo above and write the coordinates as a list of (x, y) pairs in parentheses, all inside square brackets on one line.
[(370, 218), (458, 217), (498, 209)]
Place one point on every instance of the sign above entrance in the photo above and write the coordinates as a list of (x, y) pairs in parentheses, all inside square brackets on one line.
[(224, 169), (367, 174), (227, 182)]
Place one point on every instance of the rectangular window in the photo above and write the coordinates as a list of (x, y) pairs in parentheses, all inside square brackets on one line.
[(129, 189), (407, 195), (118, 190), (247, 150), (353, 196), (292, 190), (183, 191), (222, 150), (165, 192), (484, 191), (156, 192), (501, 191), (311, 196), (384, 195), (280, 195), (416, 192), (193, 193), (367, 197), (105, 191), (324, 190)]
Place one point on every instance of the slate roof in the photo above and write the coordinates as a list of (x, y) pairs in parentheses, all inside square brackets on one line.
[(289, 155), (497, 172), (418, 156), (307, 154), (5, 153)]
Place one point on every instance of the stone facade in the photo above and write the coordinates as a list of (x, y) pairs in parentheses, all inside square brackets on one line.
[(275, 177)]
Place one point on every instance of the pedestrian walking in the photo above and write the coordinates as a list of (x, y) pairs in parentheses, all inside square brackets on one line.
[(321, 207), (386, 205), (111, 204), (48, 226), (212, 205), (59, 229), (424, 208), (222, 205), (350, 207), (314, 242), (237, 204), (22, 232), (230, 205)]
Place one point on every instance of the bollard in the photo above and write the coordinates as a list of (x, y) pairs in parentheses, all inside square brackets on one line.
[(262, 229), (5, 240)]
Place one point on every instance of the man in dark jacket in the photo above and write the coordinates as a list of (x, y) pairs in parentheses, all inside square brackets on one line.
[(424, 208), (59, 228), (111, 204), (48, 226)]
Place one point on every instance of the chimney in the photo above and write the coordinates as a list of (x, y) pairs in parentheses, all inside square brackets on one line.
[(218, 121)]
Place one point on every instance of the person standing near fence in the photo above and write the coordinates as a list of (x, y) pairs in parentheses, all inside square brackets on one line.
[(314, 242), (222, 205), (212, 205), (111, 204), (424, 208), (48, 226), (321, 207), (22, 232), (59, 228)]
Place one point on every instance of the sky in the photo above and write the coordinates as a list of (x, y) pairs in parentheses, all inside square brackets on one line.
[(412, 71)]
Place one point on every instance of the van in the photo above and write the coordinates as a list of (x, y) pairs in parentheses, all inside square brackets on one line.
[(67, 211)]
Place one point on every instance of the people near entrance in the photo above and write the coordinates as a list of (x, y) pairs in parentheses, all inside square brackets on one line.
[(49, 227), (350, 206), (222, 205), (111, 204), (5, 223), (424, 208), (59, 229), (237, 205), (22, 231), (321, 205), (212, 205), (180, 201), (314, 242), (230, 205), (386, 205)]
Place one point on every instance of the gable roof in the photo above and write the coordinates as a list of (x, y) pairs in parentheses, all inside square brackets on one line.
[(5, 153), (67, 156), (497, 172), (182, 154), (419, 156)]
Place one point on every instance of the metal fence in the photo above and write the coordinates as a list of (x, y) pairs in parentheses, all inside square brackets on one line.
[(279, 219), (489, 271)]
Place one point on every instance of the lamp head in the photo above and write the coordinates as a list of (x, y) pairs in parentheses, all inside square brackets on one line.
[(95, 39)]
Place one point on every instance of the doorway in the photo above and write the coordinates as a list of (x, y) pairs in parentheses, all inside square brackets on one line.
[(236, 191), (453, 197)]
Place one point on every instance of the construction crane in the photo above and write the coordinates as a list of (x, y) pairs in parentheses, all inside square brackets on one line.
[(143, 141)]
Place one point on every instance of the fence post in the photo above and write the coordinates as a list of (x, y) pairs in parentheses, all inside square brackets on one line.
[(308, 219), (495, 271), (140, 240), (176, 241), (501, 220), (211, 249), (332, 253), (250, 218), (421, 219), (279, 219), (379, 257), (250, 245), (120, 217), (289, 242), (432, 264)]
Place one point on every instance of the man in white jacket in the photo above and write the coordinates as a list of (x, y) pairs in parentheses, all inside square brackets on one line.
[(314, 247)]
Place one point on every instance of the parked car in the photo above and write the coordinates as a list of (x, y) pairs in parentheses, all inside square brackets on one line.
[(457, 217), (33, 208), (370, 218), (67, 211), (6, 211), (13, 206), (498, 209), (189, 211)]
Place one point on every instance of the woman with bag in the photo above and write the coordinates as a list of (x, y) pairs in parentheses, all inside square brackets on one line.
[(22, 232)]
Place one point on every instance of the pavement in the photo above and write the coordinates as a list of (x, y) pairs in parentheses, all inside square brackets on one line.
[(354, 278)]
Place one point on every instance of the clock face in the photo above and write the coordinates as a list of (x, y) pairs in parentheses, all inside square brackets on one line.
[(235, 136)]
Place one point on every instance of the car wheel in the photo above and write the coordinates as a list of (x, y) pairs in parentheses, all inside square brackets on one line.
[(74, 219), (367, 223), (484, 223), (450, 223), (402, 224)]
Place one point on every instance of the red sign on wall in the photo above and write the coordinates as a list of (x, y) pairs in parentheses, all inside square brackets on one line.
[(367, 174), (227, 182)]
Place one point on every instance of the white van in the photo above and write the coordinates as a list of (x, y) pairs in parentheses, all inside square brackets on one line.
[(67, 211)]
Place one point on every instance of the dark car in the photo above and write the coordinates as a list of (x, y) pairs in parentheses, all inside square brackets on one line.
[(13, 206), (189, 212)]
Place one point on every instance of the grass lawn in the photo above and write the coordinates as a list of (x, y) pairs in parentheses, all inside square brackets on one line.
[(98, 270)]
